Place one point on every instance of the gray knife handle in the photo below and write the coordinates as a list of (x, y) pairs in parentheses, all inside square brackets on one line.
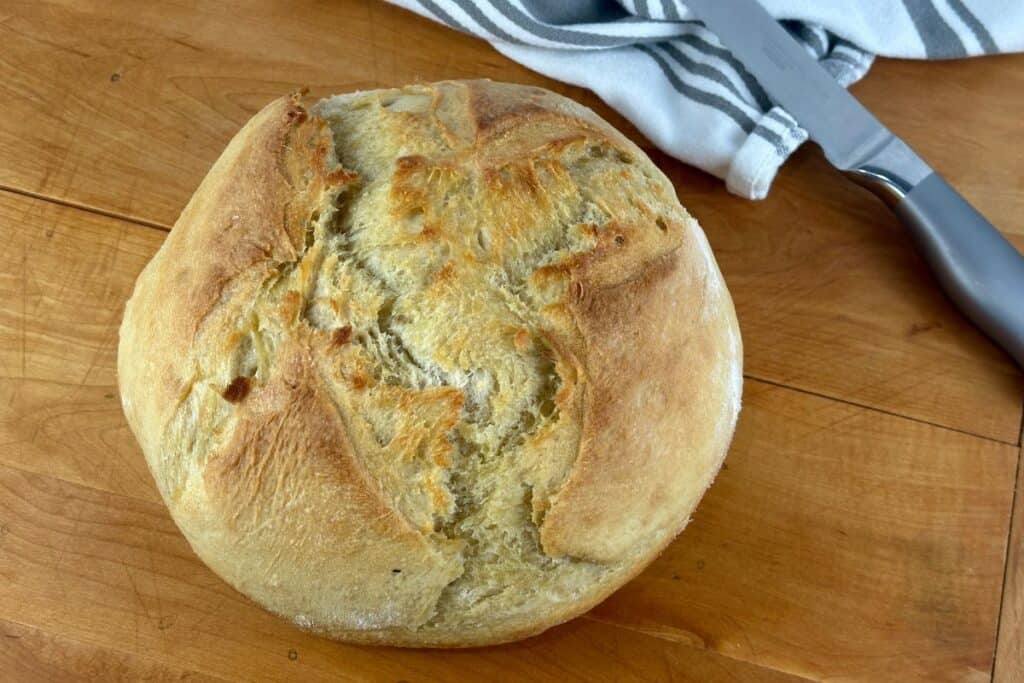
[(977, 267)]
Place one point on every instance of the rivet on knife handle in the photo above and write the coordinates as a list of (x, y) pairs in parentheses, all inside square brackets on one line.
[(977, 267)]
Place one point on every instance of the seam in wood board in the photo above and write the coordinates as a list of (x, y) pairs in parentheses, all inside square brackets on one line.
[(1006, 554), (684, 643), (163, 228), (883, 411), (110, 648), (85, 207)]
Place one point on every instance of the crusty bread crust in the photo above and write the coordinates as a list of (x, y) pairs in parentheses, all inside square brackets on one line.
[(437, 366)]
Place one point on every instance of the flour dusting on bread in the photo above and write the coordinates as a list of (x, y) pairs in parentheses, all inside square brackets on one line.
[(441, 365)]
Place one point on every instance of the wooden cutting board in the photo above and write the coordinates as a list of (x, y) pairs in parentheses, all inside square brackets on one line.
[(865, 525)]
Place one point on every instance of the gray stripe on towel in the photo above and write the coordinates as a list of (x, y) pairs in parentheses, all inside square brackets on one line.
[(706, 70), (988, 43), (701, 45), (940, 41), (560, 35), (448, 19), (470, 8), (696, 94), (575, 11)]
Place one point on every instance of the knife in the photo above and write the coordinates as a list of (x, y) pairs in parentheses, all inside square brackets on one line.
[(976, 266)]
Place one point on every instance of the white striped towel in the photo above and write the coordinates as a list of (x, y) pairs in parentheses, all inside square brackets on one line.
[(671, 77)]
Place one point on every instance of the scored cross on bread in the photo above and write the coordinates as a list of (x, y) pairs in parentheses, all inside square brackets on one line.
[(441, 366)]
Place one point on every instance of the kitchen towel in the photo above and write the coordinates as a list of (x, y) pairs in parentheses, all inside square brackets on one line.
[(653, 62)]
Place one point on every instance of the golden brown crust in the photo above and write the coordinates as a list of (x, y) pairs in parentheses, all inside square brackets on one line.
[(436, 366), (652, 345), (232, 227)]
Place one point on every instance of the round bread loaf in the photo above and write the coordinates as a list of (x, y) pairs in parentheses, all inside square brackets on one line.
[(436, 366)]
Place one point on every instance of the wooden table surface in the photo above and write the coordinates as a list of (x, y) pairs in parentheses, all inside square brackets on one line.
[(865, 526)]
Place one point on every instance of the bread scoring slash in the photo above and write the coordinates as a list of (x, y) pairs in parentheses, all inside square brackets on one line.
[(442, 365)]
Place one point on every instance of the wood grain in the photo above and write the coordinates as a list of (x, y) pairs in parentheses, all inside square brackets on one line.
[(83, 564), (126, 106), (122, 107), (831, 298), (64, 277), (1009, 664), (838, 543), (30, 654)]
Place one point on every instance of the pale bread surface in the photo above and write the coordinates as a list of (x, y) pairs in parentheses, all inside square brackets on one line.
[(436, 366)]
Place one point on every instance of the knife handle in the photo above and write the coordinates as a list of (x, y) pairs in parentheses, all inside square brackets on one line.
[(977, 267)]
